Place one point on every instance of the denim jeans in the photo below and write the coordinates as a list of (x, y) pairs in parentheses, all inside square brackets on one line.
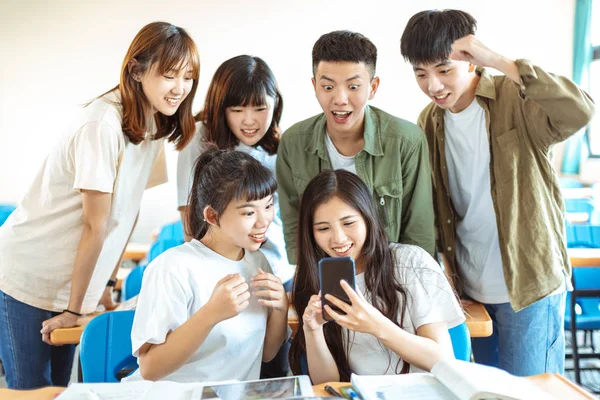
[(30, 363), (528, 342)]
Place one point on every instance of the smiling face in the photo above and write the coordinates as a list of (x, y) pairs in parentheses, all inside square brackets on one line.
[(340, 230), (243, 225), (343, 89), (249, 124), (450, 84), (166, 92)]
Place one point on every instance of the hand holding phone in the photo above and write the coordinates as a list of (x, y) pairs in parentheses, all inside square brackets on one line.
[(331, 272)]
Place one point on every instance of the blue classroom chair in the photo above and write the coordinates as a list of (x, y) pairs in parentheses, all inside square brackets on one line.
[(132, 284), (461, 342), (170, 235), (106, 347), (5, 211)]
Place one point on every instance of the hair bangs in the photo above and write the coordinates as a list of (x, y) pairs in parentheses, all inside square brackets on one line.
[(429, 35), (248, 91), (257, 184), (178, 53)]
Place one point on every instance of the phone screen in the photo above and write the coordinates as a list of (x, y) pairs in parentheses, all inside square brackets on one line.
[(331, 272)]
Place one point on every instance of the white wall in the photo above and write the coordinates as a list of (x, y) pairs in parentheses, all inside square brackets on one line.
[(56, 55)]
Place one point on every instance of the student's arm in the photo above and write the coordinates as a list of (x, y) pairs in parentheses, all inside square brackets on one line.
[(417, 198), (269, 289), (288, 200), (96, 211), (107, 297), (557, 103), (321, 364), (423, 350), (229, 298)]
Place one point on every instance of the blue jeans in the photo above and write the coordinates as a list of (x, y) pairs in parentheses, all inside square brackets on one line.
[(528, 342), (30, 363)]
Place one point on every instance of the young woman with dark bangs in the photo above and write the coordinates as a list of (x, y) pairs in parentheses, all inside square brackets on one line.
[(403, 305), (64, 242), (242, 112), (210, 309)]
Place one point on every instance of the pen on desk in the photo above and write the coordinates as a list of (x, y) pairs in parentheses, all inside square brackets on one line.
[(352, 394), (332, 391)]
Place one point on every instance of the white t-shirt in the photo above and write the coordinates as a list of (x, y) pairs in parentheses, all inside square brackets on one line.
[(339, 161), (477, 246), (430, 300), (175, 286), (274, 248), (39, 241)]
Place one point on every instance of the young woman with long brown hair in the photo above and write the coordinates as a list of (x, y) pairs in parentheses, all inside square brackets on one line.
[(402, 308), (64, 242)]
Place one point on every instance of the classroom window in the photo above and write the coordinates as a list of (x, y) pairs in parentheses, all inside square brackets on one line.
[(593, 130)]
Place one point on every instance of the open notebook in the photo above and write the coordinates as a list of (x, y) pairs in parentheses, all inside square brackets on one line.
[(449, 379)]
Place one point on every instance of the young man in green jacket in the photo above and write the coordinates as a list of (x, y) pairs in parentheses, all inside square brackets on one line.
[(499, 209), (388, 153)]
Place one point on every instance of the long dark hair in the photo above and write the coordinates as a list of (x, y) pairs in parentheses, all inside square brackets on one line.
[(240, 81), (220, 177), (382, 285)]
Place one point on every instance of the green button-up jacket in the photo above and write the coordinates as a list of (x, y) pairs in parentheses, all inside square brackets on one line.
[(394, 164), (523, 123)]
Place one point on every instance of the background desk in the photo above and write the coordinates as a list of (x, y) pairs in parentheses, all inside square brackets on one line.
[(584, 257), (553, 384), (478, 322), (136, 252)]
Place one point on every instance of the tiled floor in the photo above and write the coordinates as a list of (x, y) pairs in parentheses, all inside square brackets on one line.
[(590, 372)]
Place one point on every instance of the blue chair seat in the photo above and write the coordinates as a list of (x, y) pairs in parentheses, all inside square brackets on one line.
[(586, 322)]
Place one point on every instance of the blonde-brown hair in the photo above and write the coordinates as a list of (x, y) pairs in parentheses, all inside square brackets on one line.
[(172, 49)]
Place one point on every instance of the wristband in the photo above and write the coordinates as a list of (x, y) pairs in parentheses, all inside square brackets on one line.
[(111, 282), (66, 310)]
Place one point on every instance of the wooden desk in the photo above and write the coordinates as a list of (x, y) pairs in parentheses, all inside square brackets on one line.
[(47, 393), (577, 217), (580, 258), (478, 320), (136, 252), (71, 335), (584, 257), (577, 193), (553, 384)]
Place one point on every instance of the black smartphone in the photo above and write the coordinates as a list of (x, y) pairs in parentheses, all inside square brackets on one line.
[(331, 272)]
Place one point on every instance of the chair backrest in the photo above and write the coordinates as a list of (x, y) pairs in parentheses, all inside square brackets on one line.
[(133, 282), (5, 211), (583, 235), (170, 235), (461, 341), (585, 278), (106, 347)]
